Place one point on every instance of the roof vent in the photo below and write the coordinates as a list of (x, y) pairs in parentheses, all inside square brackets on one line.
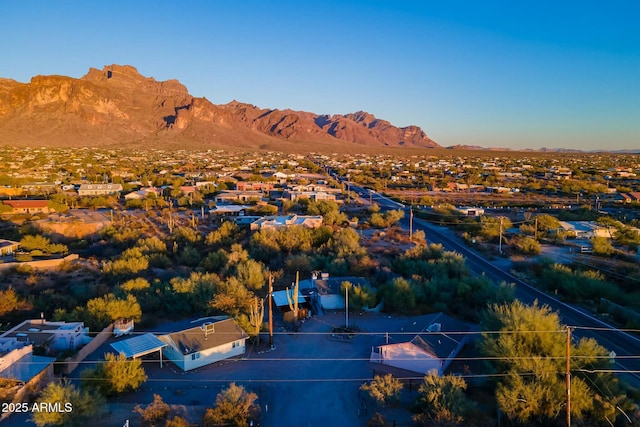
[(435, 327), (208, 328)]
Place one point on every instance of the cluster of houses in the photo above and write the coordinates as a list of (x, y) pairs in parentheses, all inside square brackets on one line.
[(424, 343)]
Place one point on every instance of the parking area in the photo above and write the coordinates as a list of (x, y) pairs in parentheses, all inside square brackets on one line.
[(309, 379)]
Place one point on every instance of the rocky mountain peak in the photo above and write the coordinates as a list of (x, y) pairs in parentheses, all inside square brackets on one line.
[(119, 106)]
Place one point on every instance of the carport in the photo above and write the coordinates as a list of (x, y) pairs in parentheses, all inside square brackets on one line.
[(139, 346)]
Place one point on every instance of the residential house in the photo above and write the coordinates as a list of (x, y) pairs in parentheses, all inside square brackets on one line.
[(585, 229), (467, 211), (8, 247), (18, 363), (279, 221), (227, 196), (143, 193), (424, 343), (325, 292), (99, 189), (187, 190), (314, 196), (27, 206), (254, 186), (229, 210), (203, 342), (50, 336)]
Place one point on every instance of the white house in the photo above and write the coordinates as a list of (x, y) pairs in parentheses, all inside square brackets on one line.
[(585, 229), (8, 247), (425, 343), (18, 363), (204, 342), (278, 221), (53, 336), (327, 292), (99, 189)]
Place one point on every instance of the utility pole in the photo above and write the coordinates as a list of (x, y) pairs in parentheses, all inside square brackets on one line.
[(346, 311), (568, 374), (270, 311), (410, 224), (500, 241)]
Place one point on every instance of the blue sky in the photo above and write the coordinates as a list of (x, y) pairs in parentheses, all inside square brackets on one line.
[(516, 74)]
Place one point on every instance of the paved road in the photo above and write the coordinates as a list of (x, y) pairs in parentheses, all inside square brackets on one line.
[(625, 346)]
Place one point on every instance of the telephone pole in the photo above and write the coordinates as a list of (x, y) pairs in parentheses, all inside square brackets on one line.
[(346, 311), (500, 241), (568, 375), (270, 311), (410, 224)]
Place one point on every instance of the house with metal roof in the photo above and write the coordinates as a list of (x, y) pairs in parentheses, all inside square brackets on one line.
[(8, 247), (326, 293), (203, 342), (424, 343)]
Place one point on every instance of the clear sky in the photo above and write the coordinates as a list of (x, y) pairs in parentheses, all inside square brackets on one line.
[(517, 73)]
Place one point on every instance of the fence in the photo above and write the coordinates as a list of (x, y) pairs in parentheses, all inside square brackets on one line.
[(71, 363), (45, 263)]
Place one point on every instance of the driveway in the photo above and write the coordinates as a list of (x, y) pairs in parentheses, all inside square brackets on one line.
[(307, 380)]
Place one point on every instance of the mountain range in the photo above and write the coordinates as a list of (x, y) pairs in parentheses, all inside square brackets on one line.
[(119, 107)]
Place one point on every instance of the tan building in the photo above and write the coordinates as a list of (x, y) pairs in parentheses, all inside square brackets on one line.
[(27, 206), (99, 189)]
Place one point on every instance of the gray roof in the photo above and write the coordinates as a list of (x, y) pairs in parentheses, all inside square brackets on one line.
[(332, 285), (139, 345), (280, 298), (436, 334), (207, 334), (27, 367)]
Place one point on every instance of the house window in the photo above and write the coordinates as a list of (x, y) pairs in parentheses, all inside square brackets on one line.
[(195, 356), (235, 344)]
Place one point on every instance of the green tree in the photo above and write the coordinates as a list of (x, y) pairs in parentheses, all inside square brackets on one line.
[(528, 344), (602, 246), (137, 284), (528, 246), (109, 308), (252, 274), (79, 407), (37, 242), (359, 296), (442, 401), (232, 298), (399, 296), (490, 230), (376, 220), (627, 236), (547, 224), (383, 389), (224, 235), (116, 375), (233, 408)]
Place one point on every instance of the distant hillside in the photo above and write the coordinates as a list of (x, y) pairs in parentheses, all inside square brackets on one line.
[(117, 106)]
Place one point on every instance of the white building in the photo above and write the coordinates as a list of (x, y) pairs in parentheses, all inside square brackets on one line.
[(204, 342), (433, 347), (275, 221), (99, 189), (52, 336)]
